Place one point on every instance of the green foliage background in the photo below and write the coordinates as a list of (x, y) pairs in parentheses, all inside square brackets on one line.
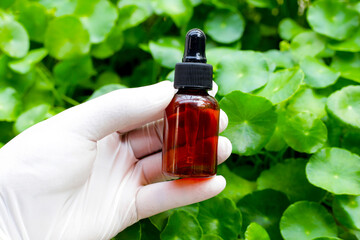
[(288, 74)]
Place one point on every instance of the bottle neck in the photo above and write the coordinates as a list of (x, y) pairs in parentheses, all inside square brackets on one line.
[(193, 91)]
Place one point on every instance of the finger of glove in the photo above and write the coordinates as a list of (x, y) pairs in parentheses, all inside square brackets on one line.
[(214, 89), (158, 197), (152, 165), (148, 139), (121, 110)]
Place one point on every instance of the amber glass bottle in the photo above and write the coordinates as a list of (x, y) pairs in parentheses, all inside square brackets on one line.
[(192, 117)]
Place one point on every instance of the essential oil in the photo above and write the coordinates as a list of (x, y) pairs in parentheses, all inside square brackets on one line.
[(191, 121)]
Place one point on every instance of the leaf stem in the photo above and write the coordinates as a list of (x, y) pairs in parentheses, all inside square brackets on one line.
[(70, 100)]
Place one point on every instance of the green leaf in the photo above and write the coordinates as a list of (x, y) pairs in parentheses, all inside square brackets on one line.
[(211, 237), (2, 144), (317, 73), (60, 7), (182, 225), (66, 38), (289, 177), (110, 45), (35, 20), (41, 92), (335, 170), (307, 100), (265, 208), (276, 142), (307, 44), (352, 44), (14, 40), (350, 141), (106, 89), (25, 64), (307, 220), (133, 232), (133, 13), (214, 55), (332, 18), (166, 51), (347, 210), (6, 3), (31, 117), (220, 216), (224, 26), (243, 70), (256, 232), (180, 11), (282, 85), (277, 59), (6, 131), (326, 53), (97, 16), (344, 105), (107, 77), (148, 230), (304, 132), (288, 28), (10, 104), (263, 3), (160, 220), (236, 186), (348, 64), (70, 72), (327, 238), (252, 121)]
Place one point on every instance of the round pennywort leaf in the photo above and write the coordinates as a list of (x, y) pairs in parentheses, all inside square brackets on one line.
[(345, 105), (307, 44), (252, 121), (332, 18), (179, 10), (221, 217), (348, 64), (335, 170), (31, 117), (288, 29), (110, 45), (307, 220), (318, 74), (265, 208), (67, 38), (347, 210), (14, 40), (225, 26), (256, 232), (35, 19), (9, 104), (282, 85), (242, 70), (182, 225), (166, 51), (25, 64), (289, 177), (98, 17), (304, 132), (352, 44), (307, 100)]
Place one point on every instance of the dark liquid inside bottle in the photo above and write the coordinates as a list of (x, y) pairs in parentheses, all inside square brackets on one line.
[(191, 134)]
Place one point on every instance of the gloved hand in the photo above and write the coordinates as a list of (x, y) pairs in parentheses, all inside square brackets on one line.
[(94, 169)]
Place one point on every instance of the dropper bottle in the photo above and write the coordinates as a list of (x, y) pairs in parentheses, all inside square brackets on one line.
[(191, 121)]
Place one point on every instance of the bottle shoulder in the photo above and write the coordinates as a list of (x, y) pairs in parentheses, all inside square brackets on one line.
[(202, 101)]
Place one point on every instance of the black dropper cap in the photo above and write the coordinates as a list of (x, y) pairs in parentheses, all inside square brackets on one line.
[(193, 72)]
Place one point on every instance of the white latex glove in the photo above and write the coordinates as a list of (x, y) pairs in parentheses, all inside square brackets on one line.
[(95, 169)]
